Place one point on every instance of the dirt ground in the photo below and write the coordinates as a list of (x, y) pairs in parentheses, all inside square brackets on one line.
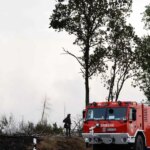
[(62, 143)]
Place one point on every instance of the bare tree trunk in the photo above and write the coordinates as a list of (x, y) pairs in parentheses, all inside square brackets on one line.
[(43, 111), (112, 82), (121, 81), (87, 74), (86, 90)]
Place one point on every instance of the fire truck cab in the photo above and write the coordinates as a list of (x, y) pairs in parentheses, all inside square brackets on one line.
[(108, 124)]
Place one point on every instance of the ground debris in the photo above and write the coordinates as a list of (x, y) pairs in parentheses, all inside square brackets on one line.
[(62, 143)]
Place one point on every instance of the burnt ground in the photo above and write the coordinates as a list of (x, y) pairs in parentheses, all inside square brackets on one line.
[(62, 143), (16, 143), (44, 143)]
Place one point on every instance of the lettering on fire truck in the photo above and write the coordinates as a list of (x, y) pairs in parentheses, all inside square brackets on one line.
[(107, 125)]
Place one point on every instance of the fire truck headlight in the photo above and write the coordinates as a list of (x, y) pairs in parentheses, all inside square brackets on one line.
[(124, 140), (86, 140), (97, 140), (97, 125), (131, 139)]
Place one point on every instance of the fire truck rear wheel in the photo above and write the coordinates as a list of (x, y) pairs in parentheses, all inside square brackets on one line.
[(139, 143)]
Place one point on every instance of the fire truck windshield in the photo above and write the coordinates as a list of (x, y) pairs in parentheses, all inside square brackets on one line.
[(106, 113)]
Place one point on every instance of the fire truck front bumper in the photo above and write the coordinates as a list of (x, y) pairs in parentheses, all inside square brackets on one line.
[(108, 138)]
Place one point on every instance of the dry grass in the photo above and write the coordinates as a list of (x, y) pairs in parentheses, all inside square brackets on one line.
[(62, 143)]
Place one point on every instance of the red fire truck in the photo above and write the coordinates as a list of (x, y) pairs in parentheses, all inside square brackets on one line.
[(114, 124)]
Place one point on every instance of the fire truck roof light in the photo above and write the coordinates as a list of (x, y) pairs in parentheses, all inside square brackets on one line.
[(119, 103), (94, 104)]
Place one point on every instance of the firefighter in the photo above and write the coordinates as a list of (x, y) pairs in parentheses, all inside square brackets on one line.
[(67, 124)]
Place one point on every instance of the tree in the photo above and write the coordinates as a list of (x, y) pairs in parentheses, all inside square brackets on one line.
[(44, 109), (26, 128), (56, 129), (77, 125), (121, 56), (143, 62), (8, 125), (87, 19), (120, 45), (146, 17), (143, 59)]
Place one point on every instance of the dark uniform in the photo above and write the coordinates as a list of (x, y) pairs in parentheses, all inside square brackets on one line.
[(67, 125)]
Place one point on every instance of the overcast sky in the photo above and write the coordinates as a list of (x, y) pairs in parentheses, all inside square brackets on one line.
[(32, 64)]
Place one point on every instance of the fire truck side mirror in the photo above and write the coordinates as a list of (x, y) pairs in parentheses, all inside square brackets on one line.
[(134, 114), (83, 114)]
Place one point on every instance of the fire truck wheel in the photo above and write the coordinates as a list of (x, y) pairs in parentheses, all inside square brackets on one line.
[(139, 144)]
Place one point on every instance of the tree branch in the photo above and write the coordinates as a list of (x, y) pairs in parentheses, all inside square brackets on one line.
[(77, 58)]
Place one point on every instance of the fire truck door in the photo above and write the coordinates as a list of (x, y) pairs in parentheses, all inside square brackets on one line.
[(132, 121)]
